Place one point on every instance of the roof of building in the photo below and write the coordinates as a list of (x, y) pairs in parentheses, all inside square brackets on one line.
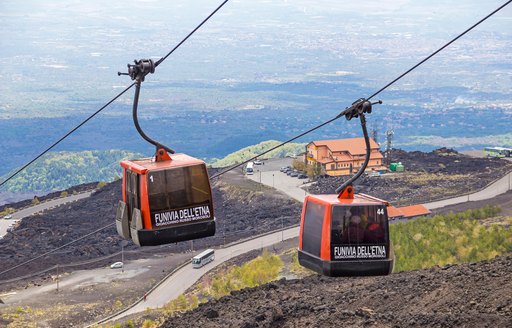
[(355, 146), (407, 211), (414, 210), (394, 212)]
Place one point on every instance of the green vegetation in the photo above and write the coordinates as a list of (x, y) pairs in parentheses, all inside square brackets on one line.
[(455, 142), (6, 211), (251, 151), (261, 270), (61, 170), (311, 171), (149, 324), (295, 266), (450, 239)]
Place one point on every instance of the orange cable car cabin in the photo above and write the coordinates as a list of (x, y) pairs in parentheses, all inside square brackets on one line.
[(345, 236), (166, 198), (165, 201)]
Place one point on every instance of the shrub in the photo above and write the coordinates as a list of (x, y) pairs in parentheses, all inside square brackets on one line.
[(261, 270), (448, 239), (149, 324)]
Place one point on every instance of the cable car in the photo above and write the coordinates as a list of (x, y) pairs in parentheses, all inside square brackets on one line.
[(346, 234), (166, 198)]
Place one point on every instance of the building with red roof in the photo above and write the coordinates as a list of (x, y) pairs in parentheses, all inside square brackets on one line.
[(343, 156)]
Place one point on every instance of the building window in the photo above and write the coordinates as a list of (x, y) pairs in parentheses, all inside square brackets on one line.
[(332, 167)]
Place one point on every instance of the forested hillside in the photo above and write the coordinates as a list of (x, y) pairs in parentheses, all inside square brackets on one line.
[(60, 170), (251, 151)]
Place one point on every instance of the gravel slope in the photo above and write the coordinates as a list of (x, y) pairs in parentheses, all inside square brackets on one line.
[(468, 295), (241, 211)]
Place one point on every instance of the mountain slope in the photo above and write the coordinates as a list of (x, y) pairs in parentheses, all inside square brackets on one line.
[(61, 170), (469, 295), (252, 151)]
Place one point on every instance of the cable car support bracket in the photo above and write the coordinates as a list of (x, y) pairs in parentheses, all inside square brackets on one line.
[(357, 109), (138, 72)]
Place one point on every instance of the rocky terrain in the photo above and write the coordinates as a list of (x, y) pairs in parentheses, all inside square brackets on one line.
[(241, 211), (468, 295), (472, 295), (440, 174), (56, 194)]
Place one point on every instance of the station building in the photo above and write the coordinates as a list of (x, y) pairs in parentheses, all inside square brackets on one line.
[(343, 156)]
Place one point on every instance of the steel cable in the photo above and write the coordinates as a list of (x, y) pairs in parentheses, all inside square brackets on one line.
[(263, 153)]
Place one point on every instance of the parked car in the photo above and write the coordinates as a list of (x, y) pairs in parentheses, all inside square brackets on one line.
[(302, 176), (8, 217), (294, 174), (117, 265), (257, 162), (286, 169)]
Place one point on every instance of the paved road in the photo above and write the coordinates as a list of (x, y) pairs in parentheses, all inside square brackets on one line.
[(185, 277), (4, 224), (497, 188), (269, 174), (78, 279)]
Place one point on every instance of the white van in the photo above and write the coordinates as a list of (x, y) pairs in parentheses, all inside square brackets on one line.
[(249, 169)]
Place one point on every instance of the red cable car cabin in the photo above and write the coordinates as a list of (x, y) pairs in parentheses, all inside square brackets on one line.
[(165, 200), (345, 235)]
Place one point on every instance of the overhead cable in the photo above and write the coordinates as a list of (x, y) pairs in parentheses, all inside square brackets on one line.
[(370, 97), (112, 100)]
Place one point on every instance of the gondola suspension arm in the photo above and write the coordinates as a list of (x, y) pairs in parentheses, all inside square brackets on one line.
[(138, 72), (358, 109)]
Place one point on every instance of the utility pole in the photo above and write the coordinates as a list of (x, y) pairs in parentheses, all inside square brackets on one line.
[(374, 135), (124, 243), (389, 137), (282, 229), (57, 277), (122, 257)]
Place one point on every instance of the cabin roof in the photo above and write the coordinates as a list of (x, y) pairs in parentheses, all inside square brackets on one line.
[(143, 165), (359, 199)]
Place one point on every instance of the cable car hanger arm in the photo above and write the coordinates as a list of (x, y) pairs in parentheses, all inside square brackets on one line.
[(138, 72), (358, 109)]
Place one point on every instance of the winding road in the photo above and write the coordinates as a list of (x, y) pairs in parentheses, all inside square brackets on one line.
[(185, 276), (29, 211)]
